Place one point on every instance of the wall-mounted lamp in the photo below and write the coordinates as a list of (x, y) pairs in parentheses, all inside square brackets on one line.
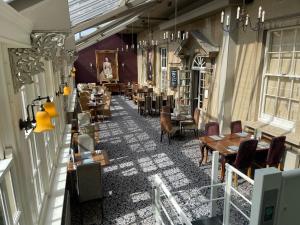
[(123, 66), (73, 72), (65, 91), (42, 120)]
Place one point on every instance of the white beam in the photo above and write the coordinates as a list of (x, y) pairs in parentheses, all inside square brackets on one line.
[(135, 6), (114, 30), (195, 13)]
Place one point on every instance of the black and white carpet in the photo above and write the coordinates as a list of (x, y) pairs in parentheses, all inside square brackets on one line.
[(137, 155)]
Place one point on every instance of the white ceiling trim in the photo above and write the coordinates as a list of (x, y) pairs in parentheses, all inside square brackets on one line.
[(106, 34), (198, 12), (135, 5)]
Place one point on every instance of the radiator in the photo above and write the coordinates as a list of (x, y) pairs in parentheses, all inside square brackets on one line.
[(291, 160)]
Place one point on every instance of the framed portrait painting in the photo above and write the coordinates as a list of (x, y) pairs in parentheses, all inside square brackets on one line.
[(107, 66), (150, 62)]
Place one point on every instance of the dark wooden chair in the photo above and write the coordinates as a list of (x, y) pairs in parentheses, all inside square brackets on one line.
[(245, 157), (170, 102), (236, 126), (122, 88), (212, 128), (274, 155), (191, 124), (166, 126)]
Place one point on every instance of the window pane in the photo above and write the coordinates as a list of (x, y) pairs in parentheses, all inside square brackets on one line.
[(272, 66), (286, 62), (294, 111), (285, 87), (296, 90), (297, 64), (269, 105), (298, 40), (271, 88), (287, 43), (11, 195), (275, 41), (282, 108)]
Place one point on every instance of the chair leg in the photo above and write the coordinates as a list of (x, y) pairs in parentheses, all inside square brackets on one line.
[(195, 133), (161, 135), (249, 172), (169, 139), (235, 180)]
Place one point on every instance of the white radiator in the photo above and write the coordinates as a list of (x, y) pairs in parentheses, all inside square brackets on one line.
[(291, 160)]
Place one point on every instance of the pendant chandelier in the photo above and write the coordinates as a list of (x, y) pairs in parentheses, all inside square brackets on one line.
[(243, 20), (150, 43), (176, 35)]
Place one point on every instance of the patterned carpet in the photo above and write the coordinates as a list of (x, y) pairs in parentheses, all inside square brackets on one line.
[(136, 154)]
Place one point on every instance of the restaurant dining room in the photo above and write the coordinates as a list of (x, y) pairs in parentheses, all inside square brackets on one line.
[(149, 112)]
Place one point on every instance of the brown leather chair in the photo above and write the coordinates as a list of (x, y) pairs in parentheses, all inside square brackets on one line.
[(236, 126), (166, 126), (245, 157), (191, 124)]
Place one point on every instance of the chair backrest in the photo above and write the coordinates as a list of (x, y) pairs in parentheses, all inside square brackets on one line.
[(277, 148), (165, 122), (148, 103), (84, 119), (246, 154), (196, 116), (212, 128), (89, 183), (170, 101), (236, 126), (86, 143), (166, 109)]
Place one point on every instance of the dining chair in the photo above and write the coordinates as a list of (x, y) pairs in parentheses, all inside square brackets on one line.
[(165, 109), (212, 128), (89, 184), (191, 124), (86, 143), (274, 155), (236, 126), (245, 157), (170, 102), (166, 126), (122, 88)]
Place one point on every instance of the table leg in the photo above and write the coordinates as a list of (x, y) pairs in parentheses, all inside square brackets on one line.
[(223, 162), (202, 146)]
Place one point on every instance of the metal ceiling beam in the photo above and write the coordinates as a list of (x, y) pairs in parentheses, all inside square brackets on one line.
[(107, 27), (137, 5), (98, 37), (195, 13)]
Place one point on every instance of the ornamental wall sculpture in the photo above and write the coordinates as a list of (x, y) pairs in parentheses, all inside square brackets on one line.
[(27, 62)]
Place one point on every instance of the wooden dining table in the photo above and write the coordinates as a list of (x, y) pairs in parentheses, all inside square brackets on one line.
[(223, 143), (95, 156)]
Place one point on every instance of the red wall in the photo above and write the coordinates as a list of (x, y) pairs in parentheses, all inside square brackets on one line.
[(84, 73)]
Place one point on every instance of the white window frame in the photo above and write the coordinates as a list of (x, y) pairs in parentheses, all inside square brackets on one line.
[(6, 168), (264, 117), (164, 69)]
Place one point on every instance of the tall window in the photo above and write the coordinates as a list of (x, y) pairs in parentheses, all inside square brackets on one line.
[(281, 90), (10, 212), (164, 72)]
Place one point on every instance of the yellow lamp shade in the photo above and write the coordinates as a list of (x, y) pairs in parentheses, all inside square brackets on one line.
[(73, 73), (43, 122), (51, 109), (73, 69), (67, 90)]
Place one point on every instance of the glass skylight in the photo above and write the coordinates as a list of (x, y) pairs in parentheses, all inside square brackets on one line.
[(82, 10)]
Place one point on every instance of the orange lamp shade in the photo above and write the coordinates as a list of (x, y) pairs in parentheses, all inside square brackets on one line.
[(51, 109), (43, 122), (67, 90)]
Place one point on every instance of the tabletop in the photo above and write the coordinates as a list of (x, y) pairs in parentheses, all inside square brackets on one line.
[(230, 141), (96, 156)]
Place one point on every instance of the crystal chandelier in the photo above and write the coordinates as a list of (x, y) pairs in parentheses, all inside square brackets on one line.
[(243, 20)]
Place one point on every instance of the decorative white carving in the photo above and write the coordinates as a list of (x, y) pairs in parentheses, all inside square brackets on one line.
[(26, 62)]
